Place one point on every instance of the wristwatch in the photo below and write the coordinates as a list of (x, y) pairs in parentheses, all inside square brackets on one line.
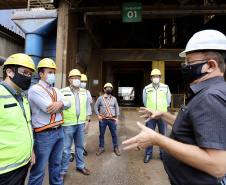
[(88, 120)]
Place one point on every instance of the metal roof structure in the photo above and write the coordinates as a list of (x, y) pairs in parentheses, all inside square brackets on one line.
[(18, 4)]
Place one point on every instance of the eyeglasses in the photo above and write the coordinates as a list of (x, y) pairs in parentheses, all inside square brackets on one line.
[(26, 73), (192, 61), (75, 78)]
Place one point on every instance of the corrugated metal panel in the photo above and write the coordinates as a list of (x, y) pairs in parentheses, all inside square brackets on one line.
[(5, 20)]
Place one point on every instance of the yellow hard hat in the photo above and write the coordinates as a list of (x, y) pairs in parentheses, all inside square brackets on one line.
[(20, 59), (74, 72), (155, 72), (47, 62), (108, 85), (84, 77)]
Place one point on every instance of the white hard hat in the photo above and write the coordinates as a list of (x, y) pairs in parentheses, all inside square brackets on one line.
[(205, 40)]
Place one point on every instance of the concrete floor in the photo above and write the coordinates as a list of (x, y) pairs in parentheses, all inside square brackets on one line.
[(109, 169)]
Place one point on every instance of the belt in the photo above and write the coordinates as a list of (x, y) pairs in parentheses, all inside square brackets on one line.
[(52, 129)]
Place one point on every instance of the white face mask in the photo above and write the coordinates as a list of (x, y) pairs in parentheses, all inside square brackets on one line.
[(50, 78), (76, 82), (83, 84), (155, 80)]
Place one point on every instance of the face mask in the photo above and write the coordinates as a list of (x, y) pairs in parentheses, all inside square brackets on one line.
[(83, 84), (50, 78), (109, 91), (21, 81), (191, 73), (76, 82), (155, 80)]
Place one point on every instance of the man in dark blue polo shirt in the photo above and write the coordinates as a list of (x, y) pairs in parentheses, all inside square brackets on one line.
[(195, 153)]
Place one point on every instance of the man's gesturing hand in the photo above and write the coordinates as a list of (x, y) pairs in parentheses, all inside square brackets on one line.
[(141, 141)]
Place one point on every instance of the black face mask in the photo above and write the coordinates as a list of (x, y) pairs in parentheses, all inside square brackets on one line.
[(192, 72), (109, 91), (21, 81)]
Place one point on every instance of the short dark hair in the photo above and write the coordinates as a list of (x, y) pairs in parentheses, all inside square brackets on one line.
[(41, 69), (12, 67), (218, 56)]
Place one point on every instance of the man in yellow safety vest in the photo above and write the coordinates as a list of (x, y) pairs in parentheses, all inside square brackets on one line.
[(83, 85), (76, 122), (156, 96), (16, 138)]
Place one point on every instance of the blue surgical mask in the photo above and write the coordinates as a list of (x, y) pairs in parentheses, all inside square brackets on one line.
[(83, 84), (50, 78)]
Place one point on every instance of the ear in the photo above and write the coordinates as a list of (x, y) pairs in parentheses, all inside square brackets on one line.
[(40, 74), (10, 73), (211, 66), (70, 80)]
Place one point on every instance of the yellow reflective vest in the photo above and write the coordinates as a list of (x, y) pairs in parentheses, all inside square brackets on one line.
[(16, 136), (157, 99), (70, 117)]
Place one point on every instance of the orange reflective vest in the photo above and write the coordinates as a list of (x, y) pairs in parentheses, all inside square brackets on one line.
[(52, 123), (107, 109)]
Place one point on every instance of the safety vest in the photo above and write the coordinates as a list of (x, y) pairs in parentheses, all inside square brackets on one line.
[(52, 122), (107, 109), (70, 117), (157, 99), (16, 136)]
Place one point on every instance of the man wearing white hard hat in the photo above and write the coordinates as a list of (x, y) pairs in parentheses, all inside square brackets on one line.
[(195, 152)]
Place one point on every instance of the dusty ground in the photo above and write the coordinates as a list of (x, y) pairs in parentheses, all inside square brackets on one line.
[(109, 169)]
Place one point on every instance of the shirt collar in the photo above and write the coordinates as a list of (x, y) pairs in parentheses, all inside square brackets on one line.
[(46, 85), (200, 86), (12, 91), (106, 96), (73, 89), (155, 87)]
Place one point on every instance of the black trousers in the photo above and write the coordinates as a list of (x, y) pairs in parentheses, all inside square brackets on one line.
[(15, 177)]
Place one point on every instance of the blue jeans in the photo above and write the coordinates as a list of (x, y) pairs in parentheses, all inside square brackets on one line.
[(48, 147), (73, 132), (162, 126), (112, 128)]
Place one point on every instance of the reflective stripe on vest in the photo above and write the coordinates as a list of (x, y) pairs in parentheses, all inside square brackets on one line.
[(52, 123), (107, 109), (14, 165), (16, 136), (156, 98), (70, 116)]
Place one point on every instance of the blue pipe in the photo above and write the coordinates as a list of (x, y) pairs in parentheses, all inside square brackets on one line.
[(34, 48), (35, 25)]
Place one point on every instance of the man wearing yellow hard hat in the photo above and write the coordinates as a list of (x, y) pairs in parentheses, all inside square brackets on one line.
[(156, 96), (76, 122), (16, 137), (47, 103), (107, 111), (83, 85)]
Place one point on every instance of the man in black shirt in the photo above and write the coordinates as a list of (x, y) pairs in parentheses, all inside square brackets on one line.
[(195, 153)]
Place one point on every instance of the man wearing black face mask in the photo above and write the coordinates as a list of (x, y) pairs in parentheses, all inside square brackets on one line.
[(16, 138), (195, 153), (108, 116)]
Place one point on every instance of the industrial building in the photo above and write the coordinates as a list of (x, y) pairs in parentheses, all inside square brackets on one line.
[(113, 41)]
